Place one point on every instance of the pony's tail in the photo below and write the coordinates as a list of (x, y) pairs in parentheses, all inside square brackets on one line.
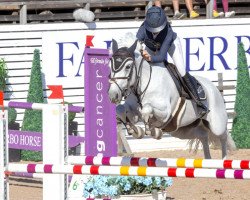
[(194, 145), (214, 142)]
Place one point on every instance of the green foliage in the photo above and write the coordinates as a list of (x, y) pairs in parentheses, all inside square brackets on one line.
[(241, 125), (115, 186), (72, 115), (33, 118), (12, 114), (3, 74)]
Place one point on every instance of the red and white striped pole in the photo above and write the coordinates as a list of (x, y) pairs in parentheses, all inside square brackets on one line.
[(159, 162), (131, 171)]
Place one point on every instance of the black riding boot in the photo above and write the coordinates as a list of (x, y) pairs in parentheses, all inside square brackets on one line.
[(194, 94)]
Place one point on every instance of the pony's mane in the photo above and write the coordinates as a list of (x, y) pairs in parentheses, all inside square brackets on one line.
[(127, 40)]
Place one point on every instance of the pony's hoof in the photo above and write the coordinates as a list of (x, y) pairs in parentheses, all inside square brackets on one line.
[(139, 133), (148, 132), (156, 133), (131, 131)]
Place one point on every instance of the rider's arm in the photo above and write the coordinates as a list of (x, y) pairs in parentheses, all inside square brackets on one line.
[(141, 33), (160, 56)]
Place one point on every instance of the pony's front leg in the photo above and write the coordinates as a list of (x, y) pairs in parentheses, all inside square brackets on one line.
[(129, 118), (121, 113), (156, 133), (147, 113)]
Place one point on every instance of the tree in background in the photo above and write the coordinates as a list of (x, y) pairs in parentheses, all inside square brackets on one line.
[(3, 74), (241, 123), (14, 154), (33, 118)]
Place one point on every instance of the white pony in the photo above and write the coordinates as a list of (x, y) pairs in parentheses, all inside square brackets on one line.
[(152, 97)]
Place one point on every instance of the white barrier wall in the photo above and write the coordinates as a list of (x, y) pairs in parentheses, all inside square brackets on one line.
[(209, 46)]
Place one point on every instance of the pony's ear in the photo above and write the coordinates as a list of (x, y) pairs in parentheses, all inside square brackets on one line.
[(114, 45), (132, 48)]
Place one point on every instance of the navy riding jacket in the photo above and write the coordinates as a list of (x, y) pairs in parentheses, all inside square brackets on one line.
[(160, 45)]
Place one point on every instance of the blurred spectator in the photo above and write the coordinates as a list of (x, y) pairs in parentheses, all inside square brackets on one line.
[(226, 13), (157, 3), (189, 5), (177, 13)]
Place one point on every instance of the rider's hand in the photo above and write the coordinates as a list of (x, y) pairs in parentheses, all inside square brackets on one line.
[(146, 55)]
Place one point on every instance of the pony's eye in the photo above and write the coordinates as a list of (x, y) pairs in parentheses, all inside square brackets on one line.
[(128, 66)]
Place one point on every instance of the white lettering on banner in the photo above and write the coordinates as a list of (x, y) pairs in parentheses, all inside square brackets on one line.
[(26, 140), (99, 99), (99, 122), (13, 139), (96, 61), (99, 133), (100, 144), (100, 147)]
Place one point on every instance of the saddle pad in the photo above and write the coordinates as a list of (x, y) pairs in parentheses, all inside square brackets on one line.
[(174, 122)]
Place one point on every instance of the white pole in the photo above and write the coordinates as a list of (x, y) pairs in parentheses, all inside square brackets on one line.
[(55, 150), (4, 157)]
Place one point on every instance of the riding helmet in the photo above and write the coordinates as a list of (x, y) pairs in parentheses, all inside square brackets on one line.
[(155, 19)]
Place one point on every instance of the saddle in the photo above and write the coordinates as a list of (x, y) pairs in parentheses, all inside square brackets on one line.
[(173, 123), (180, 85)]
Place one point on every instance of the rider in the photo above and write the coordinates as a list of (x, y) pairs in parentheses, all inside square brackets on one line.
[(157, 34)]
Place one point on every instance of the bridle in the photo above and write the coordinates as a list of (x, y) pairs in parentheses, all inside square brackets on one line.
[(118, 61)]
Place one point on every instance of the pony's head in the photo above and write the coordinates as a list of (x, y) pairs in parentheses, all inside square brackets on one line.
[(122, 73)]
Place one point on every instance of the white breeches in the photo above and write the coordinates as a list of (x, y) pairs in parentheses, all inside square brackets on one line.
[(175, 51)]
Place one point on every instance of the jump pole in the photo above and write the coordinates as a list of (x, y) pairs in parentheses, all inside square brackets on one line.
[(131, 171), (4, 156), (159, 162)]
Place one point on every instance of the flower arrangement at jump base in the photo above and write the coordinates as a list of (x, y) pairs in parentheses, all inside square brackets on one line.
[(121, 187)]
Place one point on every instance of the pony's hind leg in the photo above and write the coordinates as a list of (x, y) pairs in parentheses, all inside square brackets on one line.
[(223, 142), (202, 133), (205, 146)]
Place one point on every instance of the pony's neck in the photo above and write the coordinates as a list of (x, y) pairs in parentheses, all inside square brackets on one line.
[(158, 76)]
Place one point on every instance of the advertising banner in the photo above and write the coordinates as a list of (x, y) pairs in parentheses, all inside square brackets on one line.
[(208, 47), (100, 116)]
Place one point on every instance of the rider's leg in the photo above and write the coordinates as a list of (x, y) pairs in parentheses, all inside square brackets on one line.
[(175, 52), (191, 87)]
